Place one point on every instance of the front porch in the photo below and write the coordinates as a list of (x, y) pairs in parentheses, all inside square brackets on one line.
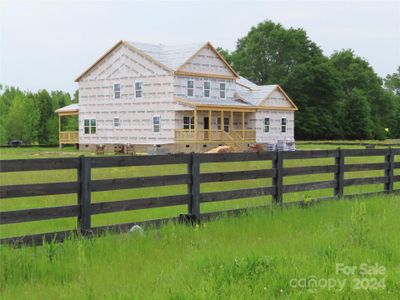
[(232, 127), (68, 136)]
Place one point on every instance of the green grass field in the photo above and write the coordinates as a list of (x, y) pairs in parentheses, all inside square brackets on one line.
[(265, 254), (155, 213)]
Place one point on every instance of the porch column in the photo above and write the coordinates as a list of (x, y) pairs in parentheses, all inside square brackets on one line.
[(59, 131), (209, 124), (222, 125), (243, 123), (231, 122), (195, 124)]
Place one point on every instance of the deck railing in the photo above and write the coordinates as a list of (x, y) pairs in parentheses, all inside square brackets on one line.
[(69, 137), (215, 135)]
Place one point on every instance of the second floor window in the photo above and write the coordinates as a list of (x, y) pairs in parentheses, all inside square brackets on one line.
[(156, 123), (138, 89), (206, 89), (188, 122), (222, 90), (116, 123), (266, 124), (190, 88), (89, 126), (117, 91), (283, 125)]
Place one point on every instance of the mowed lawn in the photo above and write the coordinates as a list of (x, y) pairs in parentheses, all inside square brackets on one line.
[(155, 213), (265, 254)]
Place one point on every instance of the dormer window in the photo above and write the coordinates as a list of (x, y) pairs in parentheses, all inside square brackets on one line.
[(190, 88), (222, 90), (206, 89), (117, 91), (138, 89)]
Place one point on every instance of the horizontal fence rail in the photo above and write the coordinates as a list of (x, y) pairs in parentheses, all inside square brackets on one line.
[(84, 209)]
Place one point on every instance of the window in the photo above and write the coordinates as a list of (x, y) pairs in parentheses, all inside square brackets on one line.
[(222, 90), (266, 124), (190, 88), (138, 89), (117, 91), (116, 123), (188, 122), (156, 123), (226, 124), (283, 124), (206, 89), (93, 126), (90, 126)]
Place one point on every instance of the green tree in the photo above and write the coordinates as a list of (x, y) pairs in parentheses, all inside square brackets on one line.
[(6, 99), (313, 87), (357, 115), (269, 52), (392, 86), (44, 103), (392, 82), (356, 73), (22, 119)]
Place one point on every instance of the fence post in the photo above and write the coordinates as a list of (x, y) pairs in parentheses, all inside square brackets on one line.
[(389, 159), (339, 174), (84, 195), (277, 180), (194, 186)]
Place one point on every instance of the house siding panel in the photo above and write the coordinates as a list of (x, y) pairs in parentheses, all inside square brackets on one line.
[(206, 61), (275, 133), (180, 88), (96, 101), (277, 99)]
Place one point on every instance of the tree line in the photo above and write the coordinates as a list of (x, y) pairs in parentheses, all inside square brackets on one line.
[(30, 116), (339, 97)]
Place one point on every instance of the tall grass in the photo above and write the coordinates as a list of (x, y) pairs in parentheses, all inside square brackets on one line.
[(254, 256)]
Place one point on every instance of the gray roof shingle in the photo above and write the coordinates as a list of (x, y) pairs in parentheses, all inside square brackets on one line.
[(171, 56)]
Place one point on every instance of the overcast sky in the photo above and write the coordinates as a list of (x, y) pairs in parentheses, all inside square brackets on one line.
[(48, 44)]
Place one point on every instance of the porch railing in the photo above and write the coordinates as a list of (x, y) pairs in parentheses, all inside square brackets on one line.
[(214, 135), (69, 137)]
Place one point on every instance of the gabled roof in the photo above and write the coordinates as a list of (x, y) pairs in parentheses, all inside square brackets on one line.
[(176, 56), (169, 57), (257, 94)]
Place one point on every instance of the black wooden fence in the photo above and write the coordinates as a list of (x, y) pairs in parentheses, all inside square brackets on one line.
[(84, 185)]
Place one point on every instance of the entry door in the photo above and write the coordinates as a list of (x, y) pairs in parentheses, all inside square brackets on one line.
[(206, 127)]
